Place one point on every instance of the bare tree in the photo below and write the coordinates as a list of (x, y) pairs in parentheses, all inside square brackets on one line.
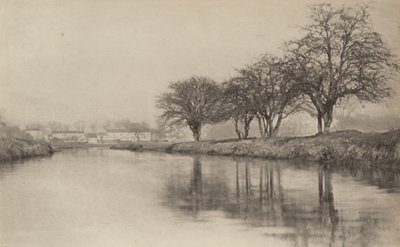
[(123, 124), (341, 56), (193, 102), (38, 126), (56, 126), (273, 94), (239, 103)]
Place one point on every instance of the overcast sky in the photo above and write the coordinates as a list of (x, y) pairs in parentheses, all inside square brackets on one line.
[(108, 59)]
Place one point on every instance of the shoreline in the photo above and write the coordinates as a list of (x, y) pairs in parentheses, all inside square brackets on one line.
[(337, 149), (63, 146), (143, 146), (12, 149)]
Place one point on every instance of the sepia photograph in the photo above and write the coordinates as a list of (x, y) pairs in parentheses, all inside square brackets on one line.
[(199, 123)]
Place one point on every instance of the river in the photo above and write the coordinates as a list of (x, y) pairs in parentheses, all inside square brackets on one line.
[(100, 197)]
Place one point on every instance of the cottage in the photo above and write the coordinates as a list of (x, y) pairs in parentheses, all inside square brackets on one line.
[(92, 138), (120, 136), (126, 136), (144, 136)]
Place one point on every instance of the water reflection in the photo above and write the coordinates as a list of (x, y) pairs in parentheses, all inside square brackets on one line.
[(99, 197), (258, 196), (383, 178)]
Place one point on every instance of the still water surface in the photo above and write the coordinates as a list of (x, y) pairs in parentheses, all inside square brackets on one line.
[(100, 197)]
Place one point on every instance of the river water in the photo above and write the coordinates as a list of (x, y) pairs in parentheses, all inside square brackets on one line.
[(100, 197)]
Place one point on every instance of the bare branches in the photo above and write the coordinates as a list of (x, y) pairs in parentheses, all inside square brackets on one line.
[(193, 102), (340, 56), (264, 90)]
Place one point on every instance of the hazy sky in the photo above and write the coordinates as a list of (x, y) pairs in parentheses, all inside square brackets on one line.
[(68, 60)]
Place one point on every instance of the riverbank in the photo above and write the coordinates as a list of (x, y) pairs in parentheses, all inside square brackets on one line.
[(143, 146), (342, 148), (18, 148), (58, 146)]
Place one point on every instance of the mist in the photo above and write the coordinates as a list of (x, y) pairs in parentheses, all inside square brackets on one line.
[(96, 60)]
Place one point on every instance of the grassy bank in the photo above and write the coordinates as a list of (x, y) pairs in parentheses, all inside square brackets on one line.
[(58, 146), (344, 148), (19, 148), (143, 146)]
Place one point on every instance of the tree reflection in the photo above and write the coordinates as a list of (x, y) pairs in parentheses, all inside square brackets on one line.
[(327, 211), (254, 192), (196, 188), (199, 192)]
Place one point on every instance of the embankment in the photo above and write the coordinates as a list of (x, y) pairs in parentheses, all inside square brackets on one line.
[(143, 146), (343, 148), (18, 148), (58, 146)]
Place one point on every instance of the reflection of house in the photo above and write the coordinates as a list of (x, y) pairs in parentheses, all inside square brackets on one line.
[(92, 138), (35, 133), (126, 136), (69, 136)]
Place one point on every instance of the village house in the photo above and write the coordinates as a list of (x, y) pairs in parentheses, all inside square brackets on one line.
[(92, 138), (126, 136), (144, 136)]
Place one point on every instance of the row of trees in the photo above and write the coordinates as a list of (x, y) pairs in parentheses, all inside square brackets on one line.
[(98, 126), (339, 57)]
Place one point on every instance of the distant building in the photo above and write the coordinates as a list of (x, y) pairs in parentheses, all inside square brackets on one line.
[(69, 136), (144, 136), (126, 136), (37, 134), (92, 138), (100, 137), (120, 135), (47, 137)]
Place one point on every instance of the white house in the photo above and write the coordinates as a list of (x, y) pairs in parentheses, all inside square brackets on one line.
[(126, 136), (92, 138), (121, 135), (144, 136)]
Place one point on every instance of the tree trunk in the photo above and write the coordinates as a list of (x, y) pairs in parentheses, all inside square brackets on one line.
[(269, 127), (247, 122), (237, 130), (320, 130), (328, 118), (260, 126), (246, 130), (320, 112), (275, 131), (265, 126), (196, 130)]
